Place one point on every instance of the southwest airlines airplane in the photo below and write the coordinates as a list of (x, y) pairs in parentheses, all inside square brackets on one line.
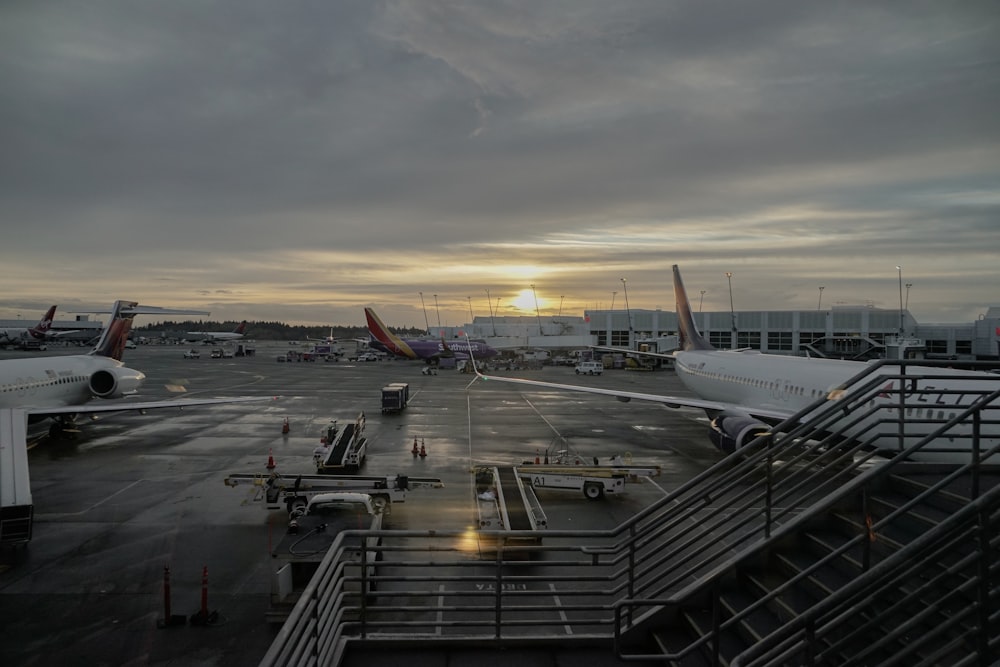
[(62, 387), (428, 350), (745, 392)]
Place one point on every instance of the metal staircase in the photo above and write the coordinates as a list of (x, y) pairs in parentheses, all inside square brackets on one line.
[(800, 549)]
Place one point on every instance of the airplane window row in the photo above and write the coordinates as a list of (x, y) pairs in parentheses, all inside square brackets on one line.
[(758, 383), (34, 384)]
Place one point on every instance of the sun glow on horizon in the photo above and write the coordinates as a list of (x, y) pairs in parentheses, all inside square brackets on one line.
[(525, 301)]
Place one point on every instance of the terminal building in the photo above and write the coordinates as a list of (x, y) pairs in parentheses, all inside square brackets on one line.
[(841, 332)]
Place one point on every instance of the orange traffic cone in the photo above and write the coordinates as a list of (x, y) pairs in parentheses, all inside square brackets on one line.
[(423, 452), (270, 459), (537, 458), (284, 427)]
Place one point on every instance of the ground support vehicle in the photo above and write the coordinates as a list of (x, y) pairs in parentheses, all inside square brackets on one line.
[(593, 481), (312, 531), (589, 368), (292, 491), (395, 397), (16, 506), (505, 503), (343, 451)]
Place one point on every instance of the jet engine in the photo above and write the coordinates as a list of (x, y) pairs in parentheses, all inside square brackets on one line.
[(115, 382), (732, 430)]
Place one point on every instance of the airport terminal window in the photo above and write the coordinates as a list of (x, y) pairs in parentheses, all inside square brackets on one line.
[(720, 339), (963, 347), (619, 338), (601, 336), (937, 346), (749, 339), (779, 340)]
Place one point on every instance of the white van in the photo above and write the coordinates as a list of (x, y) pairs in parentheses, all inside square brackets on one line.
[(589, 368)]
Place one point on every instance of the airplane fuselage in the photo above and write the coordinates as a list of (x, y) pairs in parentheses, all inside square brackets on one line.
[(783, 386), (67, 380)]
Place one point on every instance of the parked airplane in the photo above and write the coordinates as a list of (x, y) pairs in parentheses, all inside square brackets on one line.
[(61, 387), (211, 336), (38, 333), (326, 339), (745, 392), (428, 350)]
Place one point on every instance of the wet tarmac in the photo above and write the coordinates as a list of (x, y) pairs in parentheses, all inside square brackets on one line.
[(134, 494)]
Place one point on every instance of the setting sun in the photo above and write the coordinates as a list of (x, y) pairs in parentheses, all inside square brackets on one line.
[(525, 301)]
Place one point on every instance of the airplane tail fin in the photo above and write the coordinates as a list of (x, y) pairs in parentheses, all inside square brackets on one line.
[(42, 328), (392, 342), (241, 327), (112, 341), (691, 339)]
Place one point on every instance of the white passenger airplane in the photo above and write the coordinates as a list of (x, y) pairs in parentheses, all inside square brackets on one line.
[(745, 392), (62, 387), (38, 333), (235, 334)]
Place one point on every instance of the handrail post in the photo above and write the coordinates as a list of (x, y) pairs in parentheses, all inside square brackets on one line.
[(769, 461), (498, 606), (983, 592)]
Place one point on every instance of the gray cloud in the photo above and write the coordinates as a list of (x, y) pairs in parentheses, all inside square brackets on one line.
[(304, 160)]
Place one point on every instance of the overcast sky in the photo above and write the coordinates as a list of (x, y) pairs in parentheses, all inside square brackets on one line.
[(298, 161)]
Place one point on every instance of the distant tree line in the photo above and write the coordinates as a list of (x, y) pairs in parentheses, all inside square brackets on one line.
[(262, 330)]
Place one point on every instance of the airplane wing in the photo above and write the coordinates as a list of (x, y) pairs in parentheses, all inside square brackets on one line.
[(625, 396), (61, 332), (626, 351), (124, 405)]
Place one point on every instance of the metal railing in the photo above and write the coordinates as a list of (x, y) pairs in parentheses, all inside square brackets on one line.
[(454, 586)]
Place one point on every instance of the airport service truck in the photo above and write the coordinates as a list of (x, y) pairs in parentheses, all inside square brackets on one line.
[(312, 531), (16, 507)]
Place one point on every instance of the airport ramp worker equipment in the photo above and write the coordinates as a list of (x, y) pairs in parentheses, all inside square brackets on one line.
[(346, 449), (395, 397), (506, 504), (593, 481), (312, 530), (296, 490), (16, 507)]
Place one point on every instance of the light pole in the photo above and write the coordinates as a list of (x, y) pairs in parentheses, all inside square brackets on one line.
[(471, 316), (819, 305), (899, 272), (438, 312), (560, 305), (613, 295), (908, 286), (489, 302), (537, 316), (427, 326), (732, 310), (701, 301), (628, 313)]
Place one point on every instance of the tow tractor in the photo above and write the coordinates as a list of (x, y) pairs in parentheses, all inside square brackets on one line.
[(311, 532)]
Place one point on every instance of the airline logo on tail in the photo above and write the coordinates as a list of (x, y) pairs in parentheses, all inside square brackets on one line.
[(112, 341), (391, 341), (39, 330)]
